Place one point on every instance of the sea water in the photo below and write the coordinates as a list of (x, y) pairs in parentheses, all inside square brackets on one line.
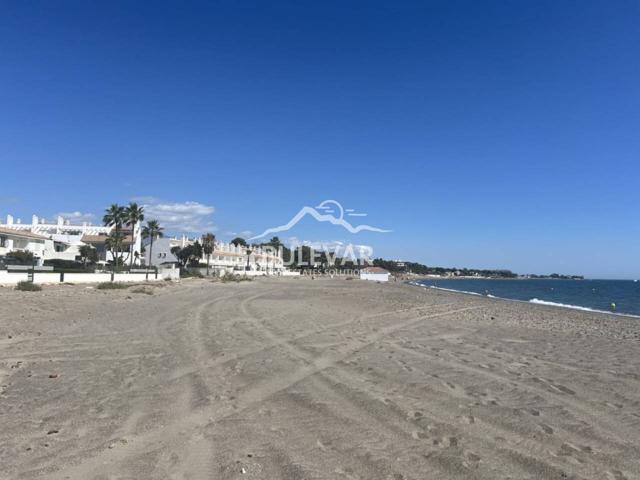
[(592, 295)]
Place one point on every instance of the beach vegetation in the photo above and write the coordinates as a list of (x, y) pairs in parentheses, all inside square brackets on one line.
[(112, 286), (420, 269), (26, 286), (142, 289), (88, 254), (230, 277), (190, 255), (68, 266), (190, 274), (20, 257)]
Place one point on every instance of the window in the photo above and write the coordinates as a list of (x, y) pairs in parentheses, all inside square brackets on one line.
[(3, 241)]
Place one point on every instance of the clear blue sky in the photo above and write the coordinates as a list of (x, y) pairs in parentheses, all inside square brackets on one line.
[(484, 134)]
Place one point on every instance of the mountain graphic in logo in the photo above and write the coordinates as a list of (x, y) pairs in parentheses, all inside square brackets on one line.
[(325, 212)]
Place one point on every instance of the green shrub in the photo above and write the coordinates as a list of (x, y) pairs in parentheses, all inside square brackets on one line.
[(188, 274), (68, 266), (230, 277), (112, 286), (19, 257), (144, 290), (25, 286)]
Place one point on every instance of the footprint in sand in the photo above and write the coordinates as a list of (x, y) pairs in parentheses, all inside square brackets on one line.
[(419, 435), (616, 475), (569, 450), (546, 429), (469, 419), (445, 442), (471, 459)]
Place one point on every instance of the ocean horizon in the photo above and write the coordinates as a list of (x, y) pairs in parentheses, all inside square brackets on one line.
[(621, 297)]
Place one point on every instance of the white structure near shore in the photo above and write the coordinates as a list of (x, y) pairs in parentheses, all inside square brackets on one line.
[(62, 239), (376, 274), (48, 277), (230, 258)]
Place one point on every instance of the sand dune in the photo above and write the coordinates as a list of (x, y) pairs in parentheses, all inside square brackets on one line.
[(301, 379)]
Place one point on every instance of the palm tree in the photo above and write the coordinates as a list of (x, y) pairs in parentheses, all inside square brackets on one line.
[(249, 252), (152, 230), (208, 245), (112, 243), (115, 216), (134, 214)]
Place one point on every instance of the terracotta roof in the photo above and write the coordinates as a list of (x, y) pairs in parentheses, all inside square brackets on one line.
[(374, 270), (22, 233), (128, 240)]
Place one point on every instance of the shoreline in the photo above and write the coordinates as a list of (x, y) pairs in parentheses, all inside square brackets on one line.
[(533, 301)]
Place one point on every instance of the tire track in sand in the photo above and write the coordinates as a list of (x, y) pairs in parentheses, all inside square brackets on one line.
[(183, 427)]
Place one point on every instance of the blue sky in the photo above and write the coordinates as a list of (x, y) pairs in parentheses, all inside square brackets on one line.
[(484, 134)]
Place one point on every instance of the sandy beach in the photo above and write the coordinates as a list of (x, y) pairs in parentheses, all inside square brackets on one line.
[(312, 379)]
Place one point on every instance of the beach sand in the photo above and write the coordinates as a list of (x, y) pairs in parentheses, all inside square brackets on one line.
[(312, 379)]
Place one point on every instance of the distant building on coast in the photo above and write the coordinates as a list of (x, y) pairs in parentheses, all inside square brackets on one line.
[(62, 240), (377, 274), (226, 257)]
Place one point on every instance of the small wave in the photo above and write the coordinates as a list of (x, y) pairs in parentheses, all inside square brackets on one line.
[(452, 290), (565, 305), (579, 307)]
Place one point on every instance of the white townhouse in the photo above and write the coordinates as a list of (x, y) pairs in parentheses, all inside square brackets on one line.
[(11, 240), (62, 240), (226, 257)]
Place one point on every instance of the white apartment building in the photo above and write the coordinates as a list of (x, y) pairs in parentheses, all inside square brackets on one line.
[(62, 240)]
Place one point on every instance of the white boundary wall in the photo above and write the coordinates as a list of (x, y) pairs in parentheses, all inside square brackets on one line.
[(7, 278), (13, 278)]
